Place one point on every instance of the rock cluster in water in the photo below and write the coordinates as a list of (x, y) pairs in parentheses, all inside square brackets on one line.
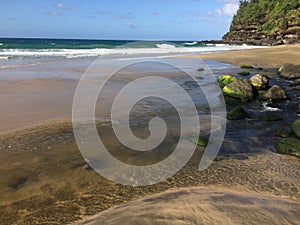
[(239, 90)]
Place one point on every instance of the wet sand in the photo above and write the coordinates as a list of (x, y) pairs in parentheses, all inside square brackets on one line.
[(45, 180)]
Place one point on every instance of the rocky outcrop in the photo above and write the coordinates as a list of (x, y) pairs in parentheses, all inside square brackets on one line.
[(265, 22), (251, 36)]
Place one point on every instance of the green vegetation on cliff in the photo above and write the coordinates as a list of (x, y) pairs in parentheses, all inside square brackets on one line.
[(268, 16), (265, 22)]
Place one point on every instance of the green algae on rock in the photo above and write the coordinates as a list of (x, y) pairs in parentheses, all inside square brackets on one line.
[(276, 93), (288, 146), (238, 113), (259, 82), (296, 128), (290, 71), (240, 89), (226, 79), (271, 117), (244, 73), (246, 66)]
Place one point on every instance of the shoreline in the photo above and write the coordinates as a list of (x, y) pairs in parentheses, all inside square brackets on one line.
[(42, 164)]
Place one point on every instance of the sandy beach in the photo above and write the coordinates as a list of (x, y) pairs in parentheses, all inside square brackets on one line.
[(45, 180), (269, 56)]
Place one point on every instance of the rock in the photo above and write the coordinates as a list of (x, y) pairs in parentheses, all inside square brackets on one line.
[(246, 66), (238, 113), (276, 93), (295, 82), (259, 82), (290, 71), (296, 88), (271, 117), (244, 73), (226, 79), (296, 128), (288, 146), (202, 141), (200, 69), (240, 89), (283, 133)]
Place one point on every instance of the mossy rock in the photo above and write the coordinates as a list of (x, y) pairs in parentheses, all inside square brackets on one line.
[(244, 73), (240, 89), (200, 141), (290, 71), (259, 82), (201, 69), (246, 66), (229, 101), (199, 78), (226, 79), (276, 93), (271, 117), (238, 113), (296, 128), (283, 133), (288, 146)]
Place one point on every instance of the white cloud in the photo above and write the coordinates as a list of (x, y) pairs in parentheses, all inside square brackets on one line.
[(64, 6), (230, 9), (130, 25), (125, 16), (54, 13)]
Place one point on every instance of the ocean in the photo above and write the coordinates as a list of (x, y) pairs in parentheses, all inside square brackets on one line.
[(15, 52)]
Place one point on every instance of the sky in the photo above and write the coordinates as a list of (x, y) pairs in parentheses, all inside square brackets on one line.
[(117, 19)]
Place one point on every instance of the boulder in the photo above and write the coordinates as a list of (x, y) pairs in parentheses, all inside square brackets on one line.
[(288, 146), (259, 82), (226, 79), (296, 128), (276, 93), (240, 89), (290, 71), (238, 113)]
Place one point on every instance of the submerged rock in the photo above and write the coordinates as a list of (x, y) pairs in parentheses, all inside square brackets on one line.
[(240, 89), (246, 66), (288, 146), (238, 113), (226, 79), (259, 82), (296, 128), (276, 93), (271, 117), (290, 71), (244, 73)]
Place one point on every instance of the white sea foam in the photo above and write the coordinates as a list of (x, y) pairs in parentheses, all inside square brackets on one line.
[(269, 109), (75, 53), (191, 43)]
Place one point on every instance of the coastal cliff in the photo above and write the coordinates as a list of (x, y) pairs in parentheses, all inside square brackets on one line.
[(265, 22)]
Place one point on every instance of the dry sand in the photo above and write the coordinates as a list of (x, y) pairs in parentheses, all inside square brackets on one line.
[(201, 206), (269, 56)]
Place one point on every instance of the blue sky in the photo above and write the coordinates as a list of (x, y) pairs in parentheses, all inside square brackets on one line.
[(116, 19)]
